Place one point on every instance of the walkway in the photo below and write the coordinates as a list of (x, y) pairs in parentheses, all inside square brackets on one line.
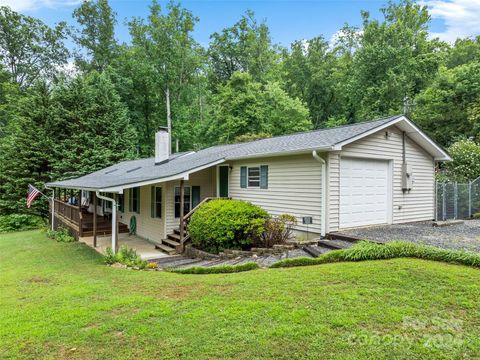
[(183, 262)]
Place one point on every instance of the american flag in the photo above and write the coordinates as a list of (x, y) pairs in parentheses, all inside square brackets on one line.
[(33, 192)]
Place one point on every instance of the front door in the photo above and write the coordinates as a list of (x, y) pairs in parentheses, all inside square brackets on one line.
[(223, 181)]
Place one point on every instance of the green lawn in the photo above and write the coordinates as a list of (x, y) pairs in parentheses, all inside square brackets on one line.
[(59, 301)]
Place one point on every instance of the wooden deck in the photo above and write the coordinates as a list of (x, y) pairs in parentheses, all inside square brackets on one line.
[(81, 223)]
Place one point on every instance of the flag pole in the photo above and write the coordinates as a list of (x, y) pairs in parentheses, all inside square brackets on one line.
[(53, 204)]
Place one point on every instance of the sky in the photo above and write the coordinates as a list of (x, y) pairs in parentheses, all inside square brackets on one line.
[(288, 20)]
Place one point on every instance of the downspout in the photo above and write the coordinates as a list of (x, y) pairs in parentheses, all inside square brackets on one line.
[(53, 205), (114, 219), (323, 218)]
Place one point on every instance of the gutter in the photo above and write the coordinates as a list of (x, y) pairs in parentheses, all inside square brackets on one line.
[(323, 218), (114, 220)]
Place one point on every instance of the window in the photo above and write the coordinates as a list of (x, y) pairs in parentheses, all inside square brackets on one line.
[(121, 204), (186, 201), (156, 202), (135, 200), (253, 177)]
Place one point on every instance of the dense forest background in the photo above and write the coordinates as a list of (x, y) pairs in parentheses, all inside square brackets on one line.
[(59, 121)]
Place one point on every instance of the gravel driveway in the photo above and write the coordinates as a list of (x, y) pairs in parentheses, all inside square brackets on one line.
[(464, 236)]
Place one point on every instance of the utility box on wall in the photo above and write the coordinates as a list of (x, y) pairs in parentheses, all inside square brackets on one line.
[(407, 177)]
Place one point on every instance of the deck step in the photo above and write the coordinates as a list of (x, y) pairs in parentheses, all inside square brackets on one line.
[(315, 250), (171, 242), (174, 237), (336, 244), (167, 249), (340, 236)]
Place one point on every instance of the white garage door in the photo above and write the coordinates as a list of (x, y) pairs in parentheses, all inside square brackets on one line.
[(363, 192)]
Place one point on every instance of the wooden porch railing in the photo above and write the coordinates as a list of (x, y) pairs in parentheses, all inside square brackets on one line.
[(70, 215)]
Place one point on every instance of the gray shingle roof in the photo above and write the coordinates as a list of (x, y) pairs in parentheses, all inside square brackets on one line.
[(135, 171)]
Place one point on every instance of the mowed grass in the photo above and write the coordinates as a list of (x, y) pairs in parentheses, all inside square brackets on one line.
[(59, 301)]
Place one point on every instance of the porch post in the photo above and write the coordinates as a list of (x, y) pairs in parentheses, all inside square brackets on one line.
[(80, 215), (117, 198), (94, 219), (53, 209), (182, 192), (114, 227)]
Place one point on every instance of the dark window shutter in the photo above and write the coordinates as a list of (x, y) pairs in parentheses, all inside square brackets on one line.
[(264, 177), (195, 196), (130, 200), (152, 201), (243, 176)]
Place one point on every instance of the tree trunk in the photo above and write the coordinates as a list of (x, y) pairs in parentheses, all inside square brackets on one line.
[(169, 120), (182, 193)]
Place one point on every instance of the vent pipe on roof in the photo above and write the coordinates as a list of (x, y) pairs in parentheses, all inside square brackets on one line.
[(162, 145)]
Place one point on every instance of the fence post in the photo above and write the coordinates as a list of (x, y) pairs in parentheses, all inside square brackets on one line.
[(470, 199), (455, 201), (444, 205)]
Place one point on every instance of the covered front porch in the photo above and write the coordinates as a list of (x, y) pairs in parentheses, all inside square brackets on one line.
[(144, 248)]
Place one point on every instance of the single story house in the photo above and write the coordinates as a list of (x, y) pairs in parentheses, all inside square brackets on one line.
[(369, 173)]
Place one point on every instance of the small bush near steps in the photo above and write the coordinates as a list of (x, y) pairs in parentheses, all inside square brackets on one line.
[(278, 230), (125, 256)]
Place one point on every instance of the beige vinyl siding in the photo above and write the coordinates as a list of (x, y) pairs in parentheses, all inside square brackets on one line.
[(418, 204), (294, 187), (206, 179), (147, 227)]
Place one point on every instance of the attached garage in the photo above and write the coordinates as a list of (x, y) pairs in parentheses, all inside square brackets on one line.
[(365, 192)]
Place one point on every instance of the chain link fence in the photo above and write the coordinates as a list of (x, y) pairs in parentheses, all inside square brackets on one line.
[(457, 200)]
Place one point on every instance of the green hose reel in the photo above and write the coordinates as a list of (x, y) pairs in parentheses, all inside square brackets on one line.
[(133, 226)]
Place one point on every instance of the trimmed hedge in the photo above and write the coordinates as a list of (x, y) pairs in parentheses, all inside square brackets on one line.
[(225, 269), (226, 224), (366, 250)]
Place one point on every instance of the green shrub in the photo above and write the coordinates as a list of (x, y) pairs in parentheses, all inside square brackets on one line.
[(227, 224), (20, 222), (125, 256), (366, 250), (476, 215), (60, 235), (217, 269)]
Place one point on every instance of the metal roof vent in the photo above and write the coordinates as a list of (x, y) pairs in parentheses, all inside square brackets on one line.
[(134, 169)]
